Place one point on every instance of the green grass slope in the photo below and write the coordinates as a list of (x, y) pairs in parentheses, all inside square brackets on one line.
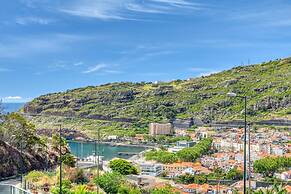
[(267, 85)]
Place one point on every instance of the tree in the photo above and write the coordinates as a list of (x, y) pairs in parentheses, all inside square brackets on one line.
[(110, 182), (56, 142), (189, 179), (269, 165), (66, 188), (128, 189), (234, 174), (275, 189), (81, 189), (17, 131), (192, 153), (122, 166), (69, 160), (164, 190), (161, 156)]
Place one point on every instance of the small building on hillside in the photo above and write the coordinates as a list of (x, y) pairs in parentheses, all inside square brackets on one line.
[(160, 129), (151, 169), (185, 144), (181, 145)]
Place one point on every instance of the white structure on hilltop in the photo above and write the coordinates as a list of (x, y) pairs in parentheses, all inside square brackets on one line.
[(151, 169)]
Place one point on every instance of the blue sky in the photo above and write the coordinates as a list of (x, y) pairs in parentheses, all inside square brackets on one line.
[(54, 45)]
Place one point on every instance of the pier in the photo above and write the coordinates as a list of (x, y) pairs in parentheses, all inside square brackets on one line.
[(127, 153)]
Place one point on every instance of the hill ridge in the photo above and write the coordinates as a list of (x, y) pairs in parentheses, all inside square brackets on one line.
[(267, 85)]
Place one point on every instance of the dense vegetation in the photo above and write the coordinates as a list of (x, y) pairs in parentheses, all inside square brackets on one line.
[(163, 139), (269, 165), (217, 174), (21, 150), (75, 181), (267, 85), (192, 153), (122, 167), (161, 156), (185, 155), (114, 183)]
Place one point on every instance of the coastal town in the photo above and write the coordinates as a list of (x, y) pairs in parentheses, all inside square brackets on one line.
[(227, 154), (219, 170), (145, 97)]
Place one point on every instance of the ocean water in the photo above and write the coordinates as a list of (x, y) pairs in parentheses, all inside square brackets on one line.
[(12, 107), (83, 150)]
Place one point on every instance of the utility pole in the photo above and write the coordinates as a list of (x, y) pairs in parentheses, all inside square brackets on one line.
[(21, 168), (249, 158), (95, 151), (231, 94), (61, 178), (245, 143), (21, 153), (98, 159)]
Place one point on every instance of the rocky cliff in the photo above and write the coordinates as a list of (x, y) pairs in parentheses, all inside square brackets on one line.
[(13, 163)]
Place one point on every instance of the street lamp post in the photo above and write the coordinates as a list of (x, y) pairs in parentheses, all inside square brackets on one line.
[(249, 177), (61, 178), (245, 137), (98, 159)]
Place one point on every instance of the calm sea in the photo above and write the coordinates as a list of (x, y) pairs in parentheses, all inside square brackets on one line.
[(83, 150), (12, 107)]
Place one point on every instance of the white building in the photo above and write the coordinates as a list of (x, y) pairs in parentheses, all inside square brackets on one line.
[(151, 169)]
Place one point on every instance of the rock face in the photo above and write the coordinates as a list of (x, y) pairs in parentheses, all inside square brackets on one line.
[(11, 162), (267, 86), (68, 134)]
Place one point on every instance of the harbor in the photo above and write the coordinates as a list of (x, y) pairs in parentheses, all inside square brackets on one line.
[(83, 150)]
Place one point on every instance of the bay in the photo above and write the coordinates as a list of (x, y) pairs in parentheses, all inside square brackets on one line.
[(85, 149)]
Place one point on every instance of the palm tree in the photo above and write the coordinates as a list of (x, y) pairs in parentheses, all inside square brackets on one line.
[(275, 189)]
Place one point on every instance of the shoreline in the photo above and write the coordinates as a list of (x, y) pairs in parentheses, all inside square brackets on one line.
[(115, 143)]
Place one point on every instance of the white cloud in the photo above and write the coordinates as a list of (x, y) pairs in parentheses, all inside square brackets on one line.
[(78, 63), (95, 68), (13, 98), (101, 9), (207, 73), (125, 9), (33, 20), (203, 71), (146, 9), (182, 4)]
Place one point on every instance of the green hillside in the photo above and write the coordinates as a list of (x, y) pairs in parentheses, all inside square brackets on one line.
[(267, 85)]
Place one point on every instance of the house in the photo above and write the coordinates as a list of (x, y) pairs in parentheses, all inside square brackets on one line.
[(204, 188), (139, 137), (151, 169), (179, 168), (160, 129), (185, 144), (176, 169), (285, 176), (277, 150), (181, 145), (112, 138)]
